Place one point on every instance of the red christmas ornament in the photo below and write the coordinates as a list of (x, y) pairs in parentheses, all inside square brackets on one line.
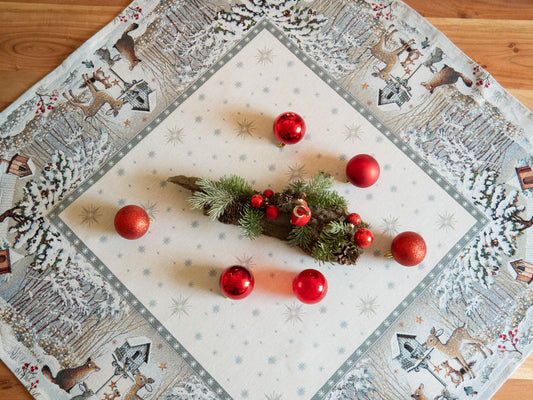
[(363, 237), (256, 201), (131, 222), (236, 282), (310, 286), (301, 215), (362, 170), (408, 248), (354, 219), (268, 193), (272, 212), (289, 128)]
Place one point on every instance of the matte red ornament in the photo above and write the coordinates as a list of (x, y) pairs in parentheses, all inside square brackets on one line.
[(272, 212), (310, 286), (354, 219), (236, 282), (363, 237), (131, 222), (268, 193), (408, 248), (289, 128), (256, 201), (362, 170), (301, 215)]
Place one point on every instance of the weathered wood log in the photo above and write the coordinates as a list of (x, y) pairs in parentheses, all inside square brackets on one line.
[(281, 227)]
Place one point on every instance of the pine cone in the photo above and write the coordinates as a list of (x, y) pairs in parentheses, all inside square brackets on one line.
[(232, 214), (349, 254)]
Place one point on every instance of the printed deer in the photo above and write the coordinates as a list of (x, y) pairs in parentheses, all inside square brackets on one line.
[(98, 100), (140, 382), (451, 348), (389, 57)]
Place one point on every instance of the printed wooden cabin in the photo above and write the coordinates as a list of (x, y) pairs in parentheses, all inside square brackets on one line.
[(133, 353), (523, 269)]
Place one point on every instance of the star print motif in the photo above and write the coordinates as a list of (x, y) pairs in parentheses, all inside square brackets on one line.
[(446, 221), (296, 172), (151, 209), (180, 306), (390, 225), (127, 122), (264, 56), (246, 261), (273, 396), (419, 320), (113, 385), (437, 368), (365, 85), (245, 128), (352, 132), (175, 135), (367, 306), (115, 82), (293, 313), (90, 215), (163, 366)]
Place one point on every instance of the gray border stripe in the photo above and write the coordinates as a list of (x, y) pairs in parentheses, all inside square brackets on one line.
[(481, 219)]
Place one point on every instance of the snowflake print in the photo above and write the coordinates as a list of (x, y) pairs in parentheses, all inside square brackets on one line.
[(264, 56), (352, 132), (446, 221), (390, 225), (296, 172), (245, 128), (293, 313), (180, 306), (175, 135), (367, 306), (90, 215)]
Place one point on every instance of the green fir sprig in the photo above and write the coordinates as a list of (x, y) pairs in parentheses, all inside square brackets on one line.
[(251, 222), (319, 191), (330, 240), (300, 236), (217, 196)]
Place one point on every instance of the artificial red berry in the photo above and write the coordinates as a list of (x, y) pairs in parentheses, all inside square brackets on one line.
[(268, 193), (354, 219), (363, 237), (256, 201), (272, 212)]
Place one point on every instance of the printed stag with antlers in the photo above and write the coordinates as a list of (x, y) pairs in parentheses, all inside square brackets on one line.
[(389, 57), (452, 347)]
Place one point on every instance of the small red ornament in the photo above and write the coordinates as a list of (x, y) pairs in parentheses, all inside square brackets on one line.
[(131, 222), (301, 215), (289, 128), (363, 237), (236, 282), (362, 170), (354, 219), (256, 201), (408, 248), (310, 286), (268, 193), (272, 212)]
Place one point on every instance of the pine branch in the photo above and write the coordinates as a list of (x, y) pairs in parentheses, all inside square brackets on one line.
[(319, 191), (300, 236), (330, 241), (251, 222)]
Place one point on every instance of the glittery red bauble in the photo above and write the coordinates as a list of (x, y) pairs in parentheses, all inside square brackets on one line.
[(256, 201), (362, 170), (236, 282), (354, 219), (310, 286), (363, 237), (272, 212), (289, 128), (408, 248), (131, 222)]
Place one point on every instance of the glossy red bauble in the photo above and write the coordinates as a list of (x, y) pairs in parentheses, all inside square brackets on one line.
[(408, 248), (354, 219), (362, 170), (363, 237), (310, 286), (289, 128), (256, 201), (301, 215), (236, 282), (272, 212), (268, 193), (132, 222)]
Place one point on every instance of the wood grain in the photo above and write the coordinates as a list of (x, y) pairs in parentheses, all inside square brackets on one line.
[(37, 35)]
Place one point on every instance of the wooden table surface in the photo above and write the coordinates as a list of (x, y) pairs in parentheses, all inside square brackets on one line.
[(37, 35)]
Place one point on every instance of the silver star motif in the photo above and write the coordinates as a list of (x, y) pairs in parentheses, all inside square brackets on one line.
[(246, 261), (296, 172), (446, 221), (264, 56), (367, 306), (273, 396), (151, 209), (390, 225), (90, 215), (175, 135), (245, 128), (293, 313), (352, 132), (180, 306)]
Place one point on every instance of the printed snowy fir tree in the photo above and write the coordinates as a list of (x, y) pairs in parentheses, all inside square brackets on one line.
[(306, 214)]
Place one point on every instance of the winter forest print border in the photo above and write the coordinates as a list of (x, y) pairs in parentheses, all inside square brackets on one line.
[(482, 221), (483, 136)]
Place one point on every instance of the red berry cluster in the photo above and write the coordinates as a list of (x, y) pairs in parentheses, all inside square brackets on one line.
[(362, 237), (33, 385), (257, 201), (46, 102), (511, 338), (480, 81), (380, 8), (29, 369), (123, 18)]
